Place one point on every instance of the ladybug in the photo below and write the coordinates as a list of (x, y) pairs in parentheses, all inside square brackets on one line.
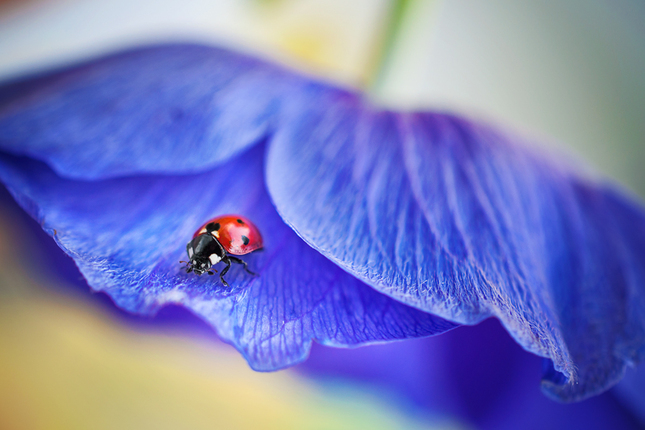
[(220, 239)]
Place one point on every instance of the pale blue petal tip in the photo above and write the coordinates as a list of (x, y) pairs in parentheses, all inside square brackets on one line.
[(167, 108)]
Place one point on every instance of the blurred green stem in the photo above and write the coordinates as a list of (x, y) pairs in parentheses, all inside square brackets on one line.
[(393, 24)]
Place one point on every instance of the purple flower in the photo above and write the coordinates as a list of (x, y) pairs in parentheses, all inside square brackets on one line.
[(377, 225)]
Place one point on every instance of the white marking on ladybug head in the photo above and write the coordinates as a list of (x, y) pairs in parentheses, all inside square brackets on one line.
[(190, 252)]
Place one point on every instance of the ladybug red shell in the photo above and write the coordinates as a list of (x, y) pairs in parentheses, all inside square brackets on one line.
[(237, 234), (220, 240)]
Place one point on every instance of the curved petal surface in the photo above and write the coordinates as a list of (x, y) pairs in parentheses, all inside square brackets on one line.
[(437, 375), (452, 218), (631, 391), (167, 108), (127, 236)]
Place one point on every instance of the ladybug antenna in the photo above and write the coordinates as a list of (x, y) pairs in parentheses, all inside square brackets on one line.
[(188, 267)]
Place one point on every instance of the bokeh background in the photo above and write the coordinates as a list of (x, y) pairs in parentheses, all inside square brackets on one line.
[(571, 74)]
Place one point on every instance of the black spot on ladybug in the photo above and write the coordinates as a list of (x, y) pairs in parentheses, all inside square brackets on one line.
[(240, 221), (213, 226), (245, 240)]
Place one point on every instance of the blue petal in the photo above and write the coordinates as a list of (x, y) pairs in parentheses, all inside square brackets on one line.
[(437, 376), (170, 108), (631, 391), (127, 236), (452, 218)]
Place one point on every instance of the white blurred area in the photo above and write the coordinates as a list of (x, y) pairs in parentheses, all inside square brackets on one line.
[(332, 38), (572, 73)]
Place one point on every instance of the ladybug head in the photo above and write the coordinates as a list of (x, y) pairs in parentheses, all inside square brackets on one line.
[(198, 265), (203, 251)]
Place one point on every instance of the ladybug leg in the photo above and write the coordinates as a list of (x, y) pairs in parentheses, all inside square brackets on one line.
[(242, 262), (224, 271)]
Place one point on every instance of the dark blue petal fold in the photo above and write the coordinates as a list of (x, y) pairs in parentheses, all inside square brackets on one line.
[(127, 236), (631, 391), (437, 376), (457, 219), (169, 108)]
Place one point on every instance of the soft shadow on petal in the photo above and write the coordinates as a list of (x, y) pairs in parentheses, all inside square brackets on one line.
[(127, 236), (477, 373), (167, 108), (631, 391), (454, 218)]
